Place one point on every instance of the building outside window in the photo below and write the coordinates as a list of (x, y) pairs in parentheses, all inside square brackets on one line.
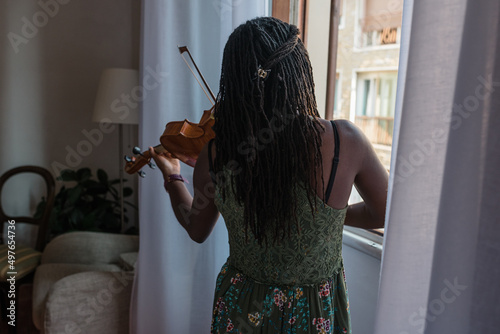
[(368, 44), (375, 102), (368, 57), (379, 22), (336, 103), (367, 66)]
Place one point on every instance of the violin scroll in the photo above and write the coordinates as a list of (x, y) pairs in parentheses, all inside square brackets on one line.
[(135, 163)]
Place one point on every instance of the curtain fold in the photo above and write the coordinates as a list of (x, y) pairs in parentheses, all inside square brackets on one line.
[(441, 261), (175, 277)]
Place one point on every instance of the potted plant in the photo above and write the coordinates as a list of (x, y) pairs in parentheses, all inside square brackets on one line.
[(88, 204)]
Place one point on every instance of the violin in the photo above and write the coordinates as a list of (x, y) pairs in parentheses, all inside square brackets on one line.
[(183, 139)]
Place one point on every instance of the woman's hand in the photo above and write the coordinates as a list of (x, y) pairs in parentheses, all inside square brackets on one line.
[(166, 162)]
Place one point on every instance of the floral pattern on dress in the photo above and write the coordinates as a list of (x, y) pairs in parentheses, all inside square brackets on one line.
[(296, 286), (245, 306)]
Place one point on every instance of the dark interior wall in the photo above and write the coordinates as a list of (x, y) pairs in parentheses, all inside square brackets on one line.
[(52, 53)]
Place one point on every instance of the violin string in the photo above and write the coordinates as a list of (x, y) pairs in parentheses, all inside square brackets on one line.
[(204, 91)]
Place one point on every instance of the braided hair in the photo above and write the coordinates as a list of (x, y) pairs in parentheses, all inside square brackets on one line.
[(266, 125)]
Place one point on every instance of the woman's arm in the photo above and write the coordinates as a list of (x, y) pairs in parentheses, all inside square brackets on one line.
[(197, 215), (371, 181)]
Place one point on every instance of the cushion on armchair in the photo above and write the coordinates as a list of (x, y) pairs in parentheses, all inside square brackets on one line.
[(90, 302), (47, 275), (89, 248), (128, 260), (75, 270)]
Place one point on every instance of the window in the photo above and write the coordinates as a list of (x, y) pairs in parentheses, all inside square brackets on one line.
[(374, 110), (376, 94), (382, 37), (379, 22), (364, 67)]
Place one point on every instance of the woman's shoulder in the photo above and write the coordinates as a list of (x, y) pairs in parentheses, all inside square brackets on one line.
[(354, 145), (350, 134)]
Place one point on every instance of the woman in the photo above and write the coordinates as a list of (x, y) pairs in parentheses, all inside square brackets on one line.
[(281, 177)]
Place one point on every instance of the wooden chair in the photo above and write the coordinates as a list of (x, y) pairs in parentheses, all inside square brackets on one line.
[(41, 222), (26, 259)]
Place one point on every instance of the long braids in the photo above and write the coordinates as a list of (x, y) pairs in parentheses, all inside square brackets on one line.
[(266, 125)]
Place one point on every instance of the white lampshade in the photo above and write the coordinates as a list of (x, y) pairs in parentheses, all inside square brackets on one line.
[(118, 97)]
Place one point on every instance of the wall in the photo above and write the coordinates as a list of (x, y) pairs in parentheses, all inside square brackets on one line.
[(317, 45), (362, 275), (51, 56)]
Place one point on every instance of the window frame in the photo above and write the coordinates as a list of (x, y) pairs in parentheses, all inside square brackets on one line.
[(282, 9), (294, 12), (369, 242)]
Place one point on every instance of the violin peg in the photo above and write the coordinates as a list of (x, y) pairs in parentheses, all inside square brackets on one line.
[(129, 159), (137, 151), (141, 173), (151, 165)]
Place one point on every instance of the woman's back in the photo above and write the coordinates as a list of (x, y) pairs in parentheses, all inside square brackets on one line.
[(299, 282), (296, 286), (271, 163), (312, 251)]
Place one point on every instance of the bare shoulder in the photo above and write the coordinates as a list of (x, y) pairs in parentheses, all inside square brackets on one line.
[(350, 131), (350, 134)]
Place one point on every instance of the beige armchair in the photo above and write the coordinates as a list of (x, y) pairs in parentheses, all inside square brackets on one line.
[(84, 283)]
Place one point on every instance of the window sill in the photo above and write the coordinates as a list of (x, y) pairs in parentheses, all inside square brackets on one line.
[(365, 241), (376, 48)]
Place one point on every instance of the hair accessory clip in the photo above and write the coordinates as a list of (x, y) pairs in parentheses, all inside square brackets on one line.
[(262, 73)]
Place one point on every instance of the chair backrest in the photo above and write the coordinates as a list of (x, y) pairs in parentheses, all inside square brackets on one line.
[(43, 221)]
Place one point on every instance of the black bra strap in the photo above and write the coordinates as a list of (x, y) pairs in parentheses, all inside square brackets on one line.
[(335, 162), (210, 161)]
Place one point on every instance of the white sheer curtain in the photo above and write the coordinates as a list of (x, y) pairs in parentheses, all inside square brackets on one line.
[(441, 261), (175, 279)]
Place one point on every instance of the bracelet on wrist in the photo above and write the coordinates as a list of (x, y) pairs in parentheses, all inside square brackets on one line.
[(174, 177)]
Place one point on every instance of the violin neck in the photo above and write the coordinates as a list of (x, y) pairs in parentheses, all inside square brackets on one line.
[(141, 160)]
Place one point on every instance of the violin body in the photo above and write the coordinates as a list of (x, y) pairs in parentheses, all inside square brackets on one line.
[(184, 139)]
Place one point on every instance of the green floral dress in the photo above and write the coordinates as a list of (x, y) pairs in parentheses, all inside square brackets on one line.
[(295, 287)]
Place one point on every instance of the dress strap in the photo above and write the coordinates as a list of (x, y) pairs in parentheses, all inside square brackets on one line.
[(335, 161), (210, 161)]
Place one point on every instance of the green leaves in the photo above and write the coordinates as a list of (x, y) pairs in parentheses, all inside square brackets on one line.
[(102, 176), (74, 194), (83, 174), (86, 204), (127, 191), (67, 175)]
